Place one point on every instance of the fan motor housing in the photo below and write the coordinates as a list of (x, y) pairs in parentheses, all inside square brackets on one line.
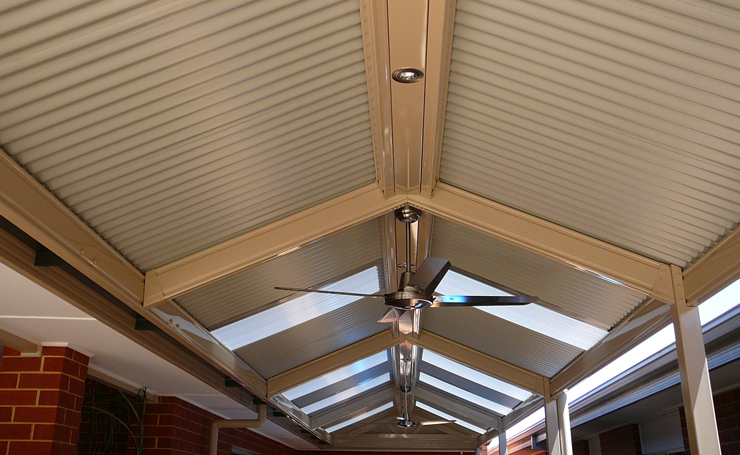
[(408, 300)]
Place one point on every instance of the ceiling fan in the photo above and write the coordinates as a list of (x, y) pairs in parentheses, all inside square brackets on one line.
[(405, 420), (416, 290)]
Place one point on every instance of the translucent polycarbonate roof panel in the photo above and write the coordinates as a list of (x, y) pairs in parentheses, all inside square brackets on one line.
[(320, 261), (298, 310), (360, 417), (464, 371), (346, 394), (337, 375), (170, 127), (499, 338), (616, 119), (463, 394), (580, 295), (315, 338), (532, 316), (446, 416)]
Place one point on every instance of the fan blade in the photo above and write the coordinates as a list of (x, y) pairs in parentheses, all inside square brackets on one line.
[(429, 274), (436, 422), (391, 315), (330, 292), (474, 300)]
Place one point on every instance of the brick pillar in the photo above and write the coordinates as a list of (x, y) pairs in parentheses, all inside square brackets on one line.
[(41, 401), (624, 440)]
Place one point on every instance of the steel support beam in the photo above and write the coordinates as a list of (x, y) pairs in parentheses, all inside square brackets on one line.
[(552, 424), (415, 442), (572, 248), (436, 80), (374, 20), (503, 448), (25, 347), (713, 271), (481, 362), (701, 422), (564, 423), (33, 209), (227, 258), (337, 359)]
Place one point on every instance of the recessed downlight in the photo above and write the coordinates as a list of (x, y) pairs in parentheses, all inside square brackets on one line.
[(407, 75)]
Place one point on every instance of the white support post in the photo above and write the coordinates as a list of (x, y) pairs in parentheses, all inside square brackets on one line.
[(701, 422), (503, 449), (564, 423), (552, 427)]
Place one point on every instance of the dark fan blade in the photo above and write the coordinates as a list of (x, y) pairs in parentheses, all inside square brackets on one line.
[(468, 300), (437, 422), (429, 274), (330, 292)]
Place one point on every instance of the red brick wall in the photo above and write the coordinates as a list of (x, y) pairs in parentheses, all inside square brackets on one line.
[(580, 447), (40, 401), (727, 411), (176, 427), (621, 441)]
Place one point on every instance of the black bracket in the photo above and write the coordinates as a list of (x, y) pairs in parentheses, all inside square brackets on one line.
[(45, 258)]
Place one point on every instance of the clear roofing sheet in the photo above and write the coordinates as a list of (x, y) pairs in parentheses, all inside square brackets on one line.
[(385, 378), (360, 417), (474, 375), (463, 394), (446, 416), (532, 316), (336, 375), (298, 310)]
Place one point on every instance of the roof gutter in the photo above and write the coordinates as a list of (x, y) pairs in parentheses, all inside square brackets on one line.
[(218, 424)]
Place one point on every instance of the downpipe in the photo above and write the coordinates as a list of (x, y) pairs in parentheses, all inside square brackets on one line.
[(218, 424)]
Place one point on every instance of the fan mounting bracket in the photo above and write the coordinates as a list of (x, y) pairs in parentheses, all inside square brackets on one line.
[(407, 214)]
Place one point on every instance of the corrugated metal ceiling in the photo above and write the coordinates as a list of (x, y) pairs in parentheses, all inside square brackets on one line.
[(172, 126), (253, 290), (617, 119), (315, 338), (577, 294), (501, 339)]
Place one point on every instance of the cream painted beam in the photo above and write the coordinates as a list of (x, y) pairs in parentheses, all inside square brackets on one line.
[(374, 20), (701, 422), (28, 205), (481, 362), (25, 347), (415, 442), (574, 249), (713, 271), (407, 39), (439, 52), (337, 359), (227, 258)]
